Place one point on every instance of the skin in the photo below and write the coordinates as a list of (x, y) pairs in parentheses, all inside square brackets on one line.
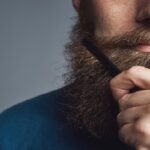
[(134, 116), (121, 16)]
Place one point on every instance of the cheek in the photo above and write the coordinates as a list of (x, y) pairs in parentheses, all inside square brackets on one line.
[(113, 18)]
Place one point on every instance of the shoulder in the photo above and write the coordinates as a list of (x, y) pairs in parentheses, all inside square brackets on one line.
[(30, 121), (39, 124), (34, 107)]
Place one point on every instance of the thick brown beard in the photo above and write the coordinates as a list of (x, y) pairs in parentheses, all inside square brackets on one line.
[(90, 103)]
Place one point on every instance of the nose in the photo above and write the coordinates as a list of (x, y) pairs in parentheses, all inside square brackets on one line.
[(143, 16)]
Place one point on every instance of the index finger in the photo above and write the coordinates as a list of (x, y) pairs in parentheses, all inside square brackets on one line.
[(136, 76)]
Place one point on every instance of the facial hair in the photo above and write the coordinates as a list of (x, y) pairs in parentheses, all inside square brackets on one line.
[(90, 104)]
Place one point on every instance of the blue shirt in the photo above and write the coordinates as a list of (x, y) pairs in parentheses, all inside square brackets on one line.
[(40, 124)]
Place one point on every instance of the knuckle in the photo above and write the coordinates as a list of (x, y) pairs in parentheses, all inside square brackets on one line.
[(111, 83), (121, 119), (123, 137), (141, 128), (118, 117), (133, 70)]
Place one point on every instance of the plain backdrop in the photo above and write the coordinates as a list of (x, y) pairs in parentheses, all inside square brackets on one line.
[(32, 38)]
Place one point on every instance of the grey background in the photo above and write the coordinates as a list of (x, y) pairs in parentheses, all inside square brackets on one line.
[(32, 38)]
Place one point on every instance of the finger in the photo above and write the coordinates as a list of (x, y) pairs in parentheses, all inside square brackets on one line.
[(142, 148), (136, 134), (136, 76), (129, 135), (130, 115), (142, 130), (138, 98), (126, 135)]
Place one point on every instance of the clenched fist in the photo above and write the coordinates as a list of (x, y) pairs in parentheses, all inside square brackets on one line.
[(134, 116)]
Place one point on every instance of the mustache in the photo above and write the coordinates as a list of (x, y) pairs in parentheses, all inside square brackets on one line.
[(138, 36)]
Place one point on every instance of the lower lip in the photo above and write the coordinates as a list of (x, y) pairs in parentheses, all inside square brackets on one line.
[(143, 48)]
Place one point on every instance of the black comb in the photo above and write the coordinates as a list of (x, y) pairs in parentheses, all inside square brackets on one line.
[(113, 70)]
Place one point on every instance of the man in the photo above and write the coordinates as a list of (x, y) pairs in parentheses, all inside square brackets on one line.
[(94, 110)]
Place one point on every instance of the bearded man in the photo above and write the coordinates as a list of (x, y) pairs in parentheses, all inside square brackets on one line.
[(94, 110)]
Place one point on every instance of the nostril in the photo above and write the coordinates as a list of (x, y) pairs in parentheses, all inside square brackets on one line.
[(144, 16), (145, 20)]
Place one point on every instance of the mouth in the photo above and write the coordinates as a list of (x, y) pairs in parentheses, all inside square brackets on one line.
[(143, 48)]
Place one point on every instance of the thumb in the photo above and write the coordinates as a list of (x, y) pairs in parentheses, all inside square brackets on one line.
[(138, 76)]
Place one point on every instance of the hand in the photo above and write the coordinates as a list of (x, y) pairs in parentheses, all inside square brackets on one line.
[(134, 116)]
